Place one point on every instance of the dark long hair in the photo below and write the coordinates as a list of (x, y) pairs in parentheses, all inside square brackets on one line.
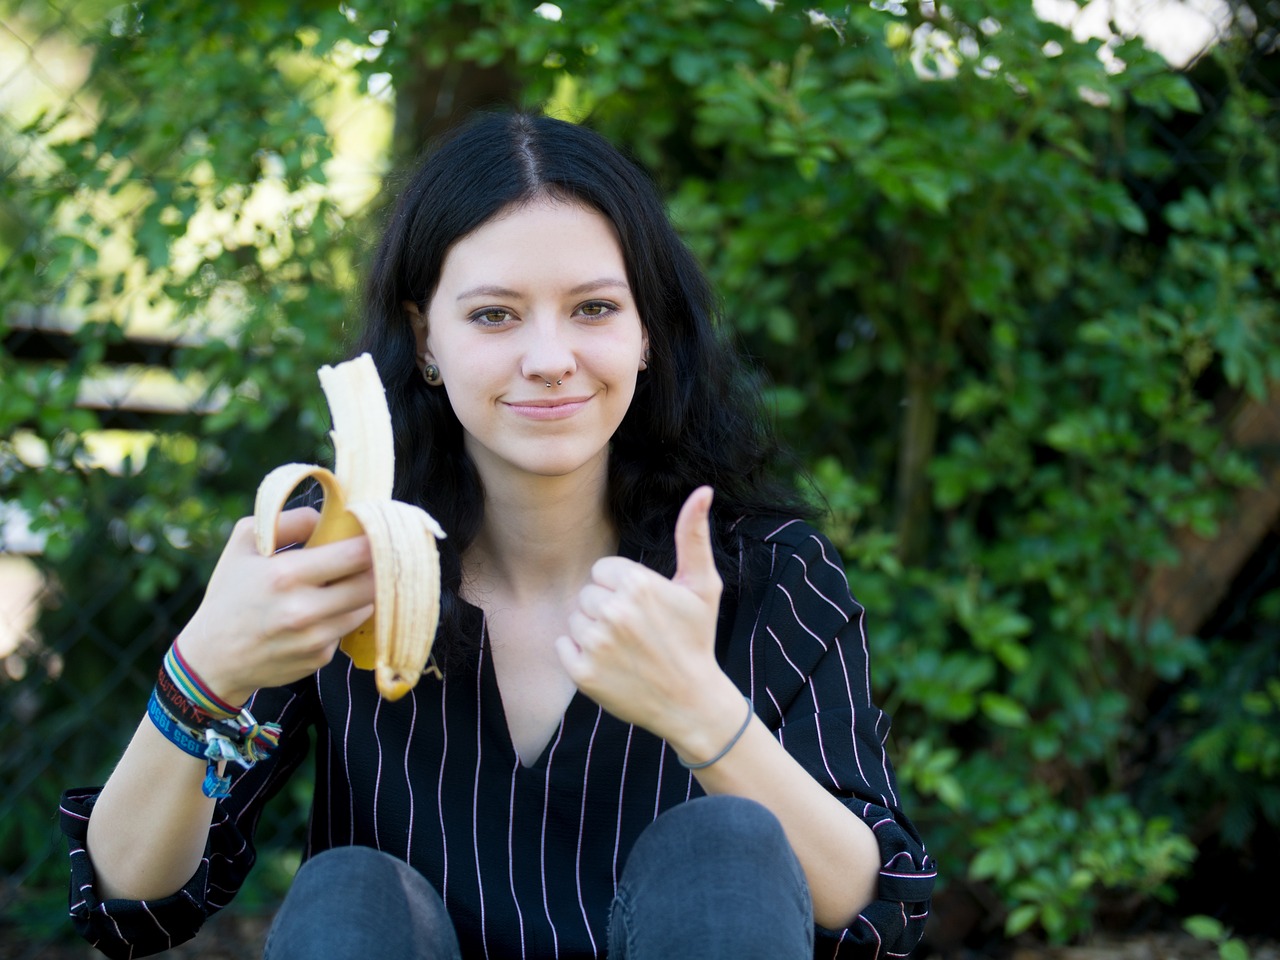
[(696, 416)]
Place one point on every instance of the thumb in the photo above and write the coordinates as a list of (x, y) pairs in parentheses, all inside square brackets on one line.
[(695, 563)]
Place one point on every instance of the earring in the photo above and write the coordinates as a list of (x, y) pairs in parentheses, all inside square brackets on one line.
[(431, 374)]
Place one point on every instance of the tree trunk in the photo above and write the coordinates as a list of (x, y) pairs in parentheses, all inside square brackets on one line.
[(431, 100), (919, 434)]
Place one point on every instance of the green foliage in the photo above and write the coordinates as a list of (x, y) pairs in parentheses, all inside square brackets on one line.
[(997, 311), (1228, 733), (1212, 931)]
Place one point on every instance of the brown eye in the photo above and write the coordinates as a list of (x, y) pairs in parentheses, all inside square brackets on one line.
[(596, 309), (491, 317)]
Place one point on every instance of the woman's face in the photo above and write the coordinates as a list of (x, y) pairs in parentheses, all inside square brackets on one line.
[(536, 295)]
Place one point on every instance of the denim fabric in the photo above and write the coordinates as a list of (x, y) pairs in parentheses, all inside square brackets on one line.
[(711, 879), (354, 903), (715, 879)]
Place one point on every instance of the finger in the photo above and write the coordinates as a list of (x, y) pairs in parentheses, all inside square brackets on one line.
[(618, 573), (584, 632), (348, 621), (695, 562), (342, 596), (324, 564), (294, 526), (593, 600), (572, 657)]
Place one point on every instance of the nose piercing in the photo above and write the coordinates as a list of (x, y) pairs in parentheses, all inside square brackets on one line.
[(559, 383)]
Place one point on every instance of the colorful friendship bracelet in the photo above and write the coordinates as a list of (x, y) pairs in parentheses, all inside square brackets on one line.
[(177, 704), (188, 741), (201, 724), (188, 681)]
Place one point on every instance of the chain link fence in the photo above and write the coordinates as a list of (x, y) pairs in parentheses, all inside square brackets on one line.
[(50, 709)]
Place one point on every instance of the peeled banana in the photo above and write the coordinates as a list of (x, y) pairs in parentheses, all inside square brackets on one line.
[(396, 641)]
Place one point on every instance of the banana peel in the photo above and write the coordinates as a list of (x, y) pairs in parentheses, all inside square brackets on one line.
[(395, 642)]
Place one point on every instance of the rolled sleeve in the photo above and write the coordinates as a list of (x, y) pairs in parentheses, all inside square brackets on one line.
[(126, 928), (139, 928), (810, 680)]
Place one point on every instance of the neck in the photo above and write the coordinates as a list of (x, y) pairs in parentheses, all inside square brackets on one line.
[(540, 537)]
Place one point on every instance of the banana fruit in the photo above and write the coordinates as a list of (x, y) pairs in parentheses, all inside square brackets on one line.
[(396, 641)]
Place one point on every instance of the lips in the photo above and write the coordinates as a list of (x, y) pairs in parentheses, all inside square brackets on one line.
[(545, 408)]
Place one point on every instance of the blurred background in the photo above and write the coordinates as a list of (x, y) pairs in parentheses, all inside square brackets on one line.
[(1011, 272)]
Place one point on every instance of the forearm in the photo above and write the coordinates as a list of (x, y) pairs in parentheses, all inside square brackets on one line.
[(148, 828), (838, 852)]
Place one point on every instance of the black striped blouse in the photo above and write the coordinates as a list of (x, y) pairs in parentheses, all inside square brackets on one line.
[(527, 859)]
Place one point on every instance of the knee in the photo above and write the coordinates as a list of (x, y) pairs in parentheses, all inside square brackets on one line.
[(722, 826), (715, 837), (342, 861), (716, 878), (356, 901), (334, 872)]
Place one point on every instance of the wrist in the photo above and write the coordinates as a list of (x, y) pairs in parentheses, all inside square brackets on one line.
[(718, 721), (206, 673)]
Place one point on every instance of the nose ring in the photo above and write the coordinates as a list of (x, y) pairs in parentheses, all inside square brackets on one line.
[(559, 383)]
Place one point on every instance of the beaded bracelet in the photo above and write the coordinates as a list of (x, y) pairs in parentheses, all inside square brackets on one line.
[(201, 724), (751, 712)]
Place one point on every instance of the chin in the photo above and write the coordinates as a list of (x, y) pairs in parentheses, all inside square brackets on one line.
[(567, 464)]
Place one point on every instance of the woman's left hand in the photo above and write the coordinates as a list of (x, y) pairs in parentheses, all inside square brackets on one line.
[(643, 646)]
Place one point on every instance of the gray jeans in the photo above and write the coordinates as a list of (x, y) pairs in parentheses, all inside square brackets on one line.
[(713, 879)]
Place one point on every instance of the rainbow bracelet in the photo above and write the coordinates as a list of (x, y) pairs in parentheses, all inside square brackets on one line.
[(202, 724)]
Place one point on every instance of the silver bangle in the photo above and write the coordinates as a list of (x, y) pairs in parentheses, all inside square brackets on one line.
[(751, 712)]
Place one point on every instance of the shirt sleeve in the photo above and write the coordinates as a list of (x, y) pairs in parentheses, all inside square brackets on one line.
[(138, 928), (811, 684)]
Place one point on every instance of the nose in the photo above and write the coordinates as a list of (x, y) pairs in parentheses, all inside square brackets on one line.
[(549, 355)]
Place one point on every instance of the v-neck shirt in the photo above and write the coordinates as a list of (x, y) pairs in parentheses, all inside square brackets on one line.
[(527, 859)]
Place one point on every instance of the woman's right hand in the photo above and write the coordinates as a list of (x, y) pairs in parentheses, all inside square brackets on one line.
[(268, 621)]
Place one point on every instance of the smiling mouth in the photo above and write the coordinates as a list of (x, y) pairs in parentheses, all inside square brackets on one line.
[(547, 402), (546, 408)]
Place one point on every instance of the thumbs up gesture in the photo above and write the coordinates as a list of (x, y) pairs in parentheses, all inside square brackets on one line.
[(643, 646)]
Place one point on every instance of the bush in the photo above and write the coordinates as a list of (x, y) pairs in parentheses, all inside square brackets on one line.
[(1000, 313)]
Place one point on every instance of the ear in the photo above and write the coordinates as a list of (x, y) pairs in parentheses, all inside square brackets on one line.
[(644, 348), (418, 321)]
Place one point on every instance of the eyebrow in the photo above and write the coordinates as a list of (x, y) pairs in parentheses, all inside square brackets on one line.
[(489, 290)]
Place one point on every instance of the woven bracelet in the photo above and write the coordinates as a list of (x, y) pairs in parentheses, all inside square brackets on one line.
[(189, 742), (201, 724), (751, 712), (188, 682)]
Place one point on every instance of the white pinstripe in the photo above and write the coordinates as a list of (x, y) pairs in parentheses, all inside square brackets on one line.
[(377, 780), (444, 755), (582, 824), (803, 626), (542, 855), (475, 788), (346, 752), (511, 866), (168, 936), (783, 650), (622, 785), (408, 783)]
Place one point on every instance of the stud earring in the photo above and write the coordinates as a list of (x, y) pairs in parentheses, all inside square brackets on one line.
[(431, 374)]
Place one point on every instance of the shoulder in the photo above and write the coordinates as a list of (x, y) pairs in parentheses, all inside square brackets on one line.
[(789, 558), (792, 544), (789, 532)]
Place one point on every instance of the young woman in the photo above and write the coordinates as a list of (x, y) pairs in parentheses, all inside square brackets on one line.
[(654, 735)]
